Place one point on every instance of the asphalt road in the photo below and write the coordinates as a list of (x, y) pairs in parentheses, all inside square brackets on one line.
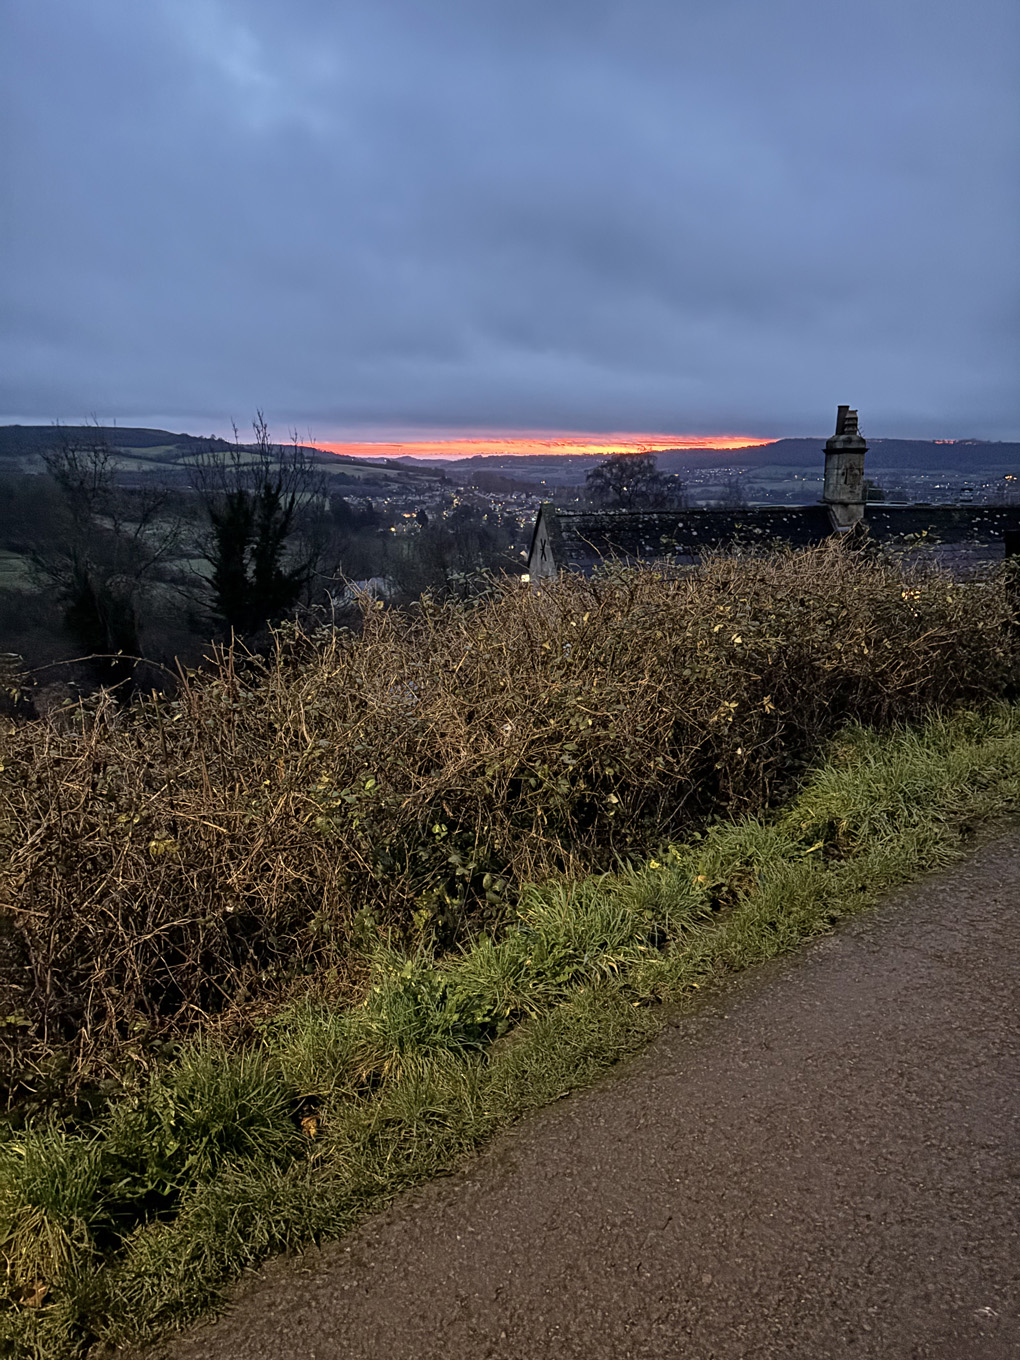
[(823, 1162)]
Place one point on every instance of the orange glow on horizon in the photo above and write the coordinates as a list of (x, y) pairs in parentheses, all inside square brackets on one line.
[(538, 442)]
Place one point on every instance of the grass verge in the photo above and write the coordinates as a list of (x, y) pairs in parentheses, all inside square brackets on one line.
[(133, 1226)]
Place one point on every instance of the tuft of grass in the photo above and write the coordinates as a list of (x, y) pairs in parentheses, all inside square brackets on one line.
[(206, 1110), (50, 1207), (133, 1227)]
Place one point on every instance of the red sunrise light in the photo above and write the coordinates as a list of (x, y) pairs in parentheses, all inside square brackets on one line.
[(537, 442)]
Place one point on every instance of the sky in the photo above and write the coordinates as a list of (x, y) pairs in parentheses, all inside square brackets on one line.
[(388, 220)]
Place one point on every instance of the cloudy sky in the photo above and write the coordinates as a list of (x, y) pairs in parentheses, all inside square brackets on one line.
[(371, 217)]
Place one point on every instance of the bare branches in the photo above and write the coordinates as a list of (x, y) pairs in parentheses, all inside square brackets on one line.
[(110, 545), (632, 481), (80, 462)]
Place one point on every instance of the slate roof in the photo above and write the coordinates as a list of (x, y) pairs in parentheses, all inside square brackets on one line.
[(581, 539), (986, 524)]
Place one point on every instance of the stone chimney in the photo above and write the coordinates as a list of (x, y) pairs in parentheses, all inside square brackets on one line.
[(844, 471)]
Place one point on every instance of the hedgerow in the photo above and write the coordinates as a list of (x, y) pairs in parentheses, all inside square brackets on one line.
[(201, 856)]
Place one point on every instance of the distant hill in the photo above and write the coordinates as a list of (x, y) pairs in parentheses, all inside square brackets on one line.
[(970, 457), (142, 454), (27, 441), (921, 455)]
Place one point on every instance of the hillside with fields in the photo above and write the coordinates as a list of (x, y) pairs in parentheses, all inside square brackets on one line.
[(161, 456)]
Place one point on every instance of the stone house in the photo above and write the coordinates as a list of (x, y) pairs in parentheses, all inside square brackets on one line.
[(963, 538)]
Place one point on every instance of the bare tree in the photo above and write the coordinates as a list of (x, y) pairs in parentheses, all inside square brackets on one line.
[(105, 553), (733, 496), (632, 481), (453, 555)]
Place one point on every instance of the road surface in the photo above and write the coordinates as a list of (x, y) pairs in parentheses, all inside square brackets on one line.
[(822, 1163)]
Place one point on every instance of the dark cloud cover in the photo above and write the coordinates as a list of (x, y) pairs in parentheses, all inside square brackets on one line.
[(715, 215)]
